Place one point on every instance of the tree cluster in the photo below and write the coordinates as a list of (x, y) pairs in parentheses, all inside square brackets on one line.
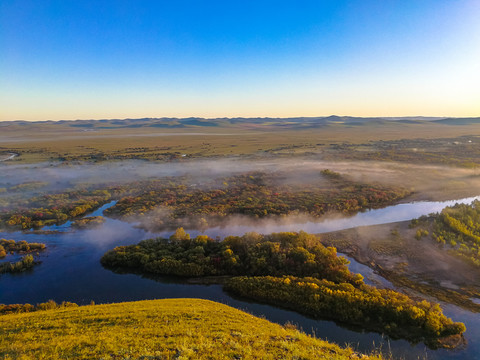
[(457, 228), (383, 310), (252, 254), (25, 263), (20, 247)]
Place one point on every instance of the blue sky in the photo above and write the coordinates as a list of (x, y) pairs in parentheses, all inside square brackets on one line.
[(116, 59)]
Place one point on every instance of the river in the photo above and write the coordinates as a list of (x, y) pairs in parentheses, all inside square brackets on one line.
[(71, 271)]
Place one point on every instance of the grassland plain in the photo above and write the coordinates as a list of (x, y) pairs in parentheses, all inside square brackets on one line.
[(167, 139), (157, 329)]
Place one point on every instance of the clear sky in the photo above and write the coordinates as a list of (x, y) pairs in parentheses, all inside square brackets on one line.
[(85, 59)]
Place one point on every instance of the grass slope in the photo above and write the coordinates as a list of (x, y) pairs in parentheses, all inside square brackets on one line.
[(156, 329)]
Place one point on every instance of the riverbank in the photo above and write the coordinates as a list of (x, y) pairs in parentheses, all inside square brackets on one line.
[(393, 251)]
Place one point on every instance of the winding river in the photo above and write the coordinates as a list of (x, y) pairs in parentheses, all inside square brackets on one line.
[(71, 271)]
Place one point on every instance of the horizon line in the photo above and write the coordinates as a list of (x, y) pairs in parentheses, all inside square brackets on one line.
[(251, 117)]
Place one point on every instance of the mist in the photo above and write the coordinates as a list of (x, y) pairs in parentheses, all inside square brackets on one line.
[(296, 170), (427, 182), (239, 225)]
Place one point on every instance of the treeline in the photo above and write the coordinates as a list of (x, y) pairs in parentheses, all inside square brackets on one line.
[(292, 270), (27, 262), (25, 308), (377, 309), (456, 227), (254, 194), (53, 209)]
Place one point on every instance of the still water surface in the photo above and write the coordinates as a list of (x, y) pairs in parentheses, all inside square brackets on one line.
[(71, 271)]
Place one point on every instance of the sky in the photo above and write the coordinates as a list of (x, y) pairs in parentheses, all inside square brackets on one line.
[(71, 59)]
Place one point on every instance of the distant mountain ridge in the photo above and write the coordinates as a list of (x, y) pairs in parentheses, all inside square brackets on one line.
[(253, 122)]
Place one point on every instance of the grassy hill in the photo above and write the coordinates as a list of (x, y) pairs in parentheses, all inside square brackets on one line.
[(156, 329)]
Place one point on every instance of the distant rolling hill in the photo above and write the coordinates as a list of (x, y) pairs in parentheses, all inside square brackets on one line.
[(292, 123)]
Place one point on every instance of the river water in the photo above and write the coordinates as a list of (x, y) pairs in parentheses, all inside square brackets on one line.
[(71, 271)]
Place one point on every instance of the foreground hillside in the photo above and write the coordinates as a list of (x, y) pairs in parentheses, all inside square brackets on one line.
[(156, 329)]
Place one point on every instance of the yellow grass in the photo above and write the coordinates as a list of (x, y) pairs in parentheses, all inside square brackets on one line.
[(156, 329), (50, 141)]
